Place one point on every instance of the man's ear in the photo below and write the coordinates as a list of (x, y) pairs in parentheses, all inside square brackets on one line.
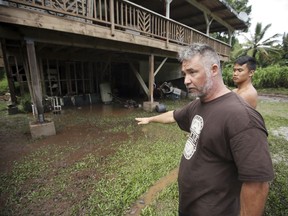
[(251, 73), (215, 70)]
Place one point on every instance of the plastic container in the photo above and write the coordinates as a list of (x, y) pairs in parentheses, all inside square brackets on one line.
[(160, 108), (106, 94)]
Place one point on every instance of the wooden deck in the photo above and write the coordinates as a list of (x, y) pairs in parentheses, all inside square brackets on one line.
[(114, 20)]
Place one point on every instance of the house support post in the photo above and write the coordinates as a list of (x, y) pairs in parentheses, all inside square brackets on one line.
[(138, 76), (112, 20), (160, 66), (27, 74), (230, 34), (8, 73), (167, 33), (151, 78), (90, 5), (35, 79), (208, 23), (150, 105), (167, 6)]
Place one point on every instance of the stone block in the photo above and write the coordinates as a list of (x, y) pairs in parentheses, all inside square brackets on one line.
[(42, 129), (150, 106)]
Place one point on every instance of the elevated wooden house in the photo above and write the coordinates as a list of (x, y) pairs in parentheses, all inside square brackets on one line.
[(69, 48)]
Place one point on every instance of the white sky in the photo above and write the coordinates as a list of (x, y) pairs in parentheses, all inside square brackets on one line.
[(269, 11)]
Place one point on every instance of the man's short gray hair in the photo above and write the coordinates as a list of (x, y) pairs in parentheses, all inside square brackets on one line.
[(207, 53)]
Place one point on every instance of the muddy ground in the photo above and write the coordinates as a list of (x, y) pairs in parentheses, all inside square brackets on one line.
[(14, 143)]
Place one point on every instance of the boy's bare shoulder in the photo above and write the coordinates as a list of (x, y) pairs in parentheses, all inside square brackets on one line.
[(249, 94)]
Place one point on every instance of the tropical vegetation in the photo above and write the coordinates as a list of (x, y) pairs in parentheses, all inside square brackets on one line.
[(274, 76), (261, 48)]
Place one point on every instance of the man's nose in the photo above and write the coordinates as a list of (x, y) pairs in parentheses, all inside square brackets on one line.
[(187, 80)]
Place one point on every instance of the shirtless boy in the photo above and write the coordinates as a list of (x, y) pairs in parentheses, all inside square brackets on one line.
[(244, 68)]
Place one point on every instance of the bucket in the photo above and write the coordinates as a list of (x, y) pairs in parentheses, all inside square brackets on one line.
[(12, 109), (160, 108)]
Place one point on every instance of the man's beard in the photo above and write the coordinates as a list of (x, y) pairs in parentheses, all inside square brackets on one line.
[(203, 91)]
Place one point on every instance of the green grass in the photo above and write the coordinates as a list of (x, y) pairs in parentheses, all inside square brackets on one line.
[(275, 115), (166, 203), (113, 164), (110, 184), (3, 85)]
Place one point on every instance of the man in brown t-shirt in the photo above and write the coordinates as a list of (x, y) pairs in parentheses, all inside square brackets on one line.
[(226, 165)]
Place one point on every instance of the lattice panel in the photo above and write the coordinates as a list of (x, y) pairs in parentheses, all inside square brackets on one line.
[(180, 33), (202, 39), (71, 6), (144, 21)]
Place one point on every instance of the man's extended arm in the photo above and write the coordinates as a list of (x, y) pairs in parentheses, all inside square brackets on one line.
[(253, 198), (162, 118)]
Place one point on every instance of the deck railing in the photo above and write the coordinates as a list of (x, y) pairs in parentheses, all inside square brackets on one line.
[(122, 15)]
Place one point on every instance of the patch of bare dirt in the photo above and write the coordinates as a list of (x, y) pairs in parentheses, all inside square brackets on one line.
[(147, 198), (282, 131), (12, 147), (273, 97)]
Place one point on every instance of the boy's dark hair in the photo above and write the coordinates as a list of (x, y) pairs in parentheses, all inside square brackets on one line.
[(250, 61)]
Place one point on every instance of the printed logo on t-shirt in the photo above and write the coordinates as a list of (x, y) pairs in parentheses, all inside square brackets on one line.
[(191, 143)]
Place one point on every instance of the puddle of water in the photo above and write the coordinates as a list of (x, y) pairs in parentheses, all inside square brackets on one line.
[(101, 109), (15, 143)]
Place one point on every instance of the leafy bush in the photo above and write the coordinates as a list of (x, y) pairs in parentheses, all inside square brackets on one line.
[(271, 77), (274, 76), (227, 74), (25, 103), (3, 83)]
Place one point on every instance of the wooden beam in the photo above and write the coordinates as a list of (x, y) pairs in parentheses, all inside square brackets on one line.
[(139, 78), (151, 78), (8, 73), (90, 4), (112, 20), (27, 72), (167, 6), (160, 66), (209, 12), (35, 78)]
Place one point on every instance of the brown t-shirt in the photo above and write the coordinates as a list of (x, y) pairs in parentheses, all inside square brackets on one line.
[(227, 146)]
